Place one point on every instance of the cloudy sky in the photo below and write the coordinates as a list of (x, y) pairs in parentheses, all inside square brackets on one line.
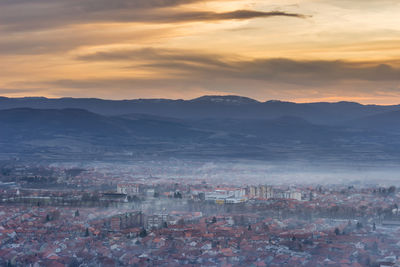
[(295, 50)]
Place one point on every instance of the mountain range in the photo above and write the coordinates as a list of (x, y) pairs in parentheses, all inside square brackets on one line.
[(207, 107), (205, 127)]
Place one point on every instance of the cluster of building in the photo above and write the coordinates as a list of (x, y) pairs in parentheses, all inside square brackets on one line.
[(122, 221), (98, 237), (235, 195)]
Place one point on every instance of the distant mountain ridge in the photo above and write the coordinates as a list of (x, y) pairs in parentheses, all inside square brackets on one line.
[(227, 107)]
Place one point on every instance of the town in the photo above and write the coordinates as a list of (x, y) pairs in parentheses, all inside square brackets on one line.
[(56, 216), (226, 133)]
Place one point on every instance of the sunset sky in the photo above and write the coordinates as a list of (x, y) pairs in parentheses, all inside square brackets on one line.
[(304, 50)]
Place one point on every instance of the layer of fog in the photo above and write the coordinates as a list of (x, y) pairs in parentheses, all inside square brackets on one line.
[(249, 172)]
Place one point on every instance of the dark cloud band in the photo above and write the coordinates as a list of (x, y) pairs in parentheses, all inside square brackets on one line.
[(23, 15), (282, 70)]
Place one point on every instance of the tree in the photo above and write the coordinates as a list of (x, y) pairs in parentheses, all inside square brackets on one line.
[(143, 233), (337, 231)]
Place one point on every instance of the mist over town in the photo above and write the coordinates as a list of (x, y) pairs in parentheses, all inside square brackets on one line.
[(199, 133)]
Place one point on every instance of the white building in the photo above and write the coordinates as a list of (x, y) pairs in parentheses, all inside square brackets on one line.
[(290, 194), (128, 189), (157, 220), (227, 195), (261, 191)]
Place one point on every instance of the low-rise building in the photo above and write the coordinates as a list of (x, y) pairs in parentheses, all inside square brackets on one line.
[(128, 189)]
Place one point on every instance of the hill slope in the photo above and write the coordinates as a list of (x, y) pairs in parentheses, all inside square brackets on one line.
[(75, 133)]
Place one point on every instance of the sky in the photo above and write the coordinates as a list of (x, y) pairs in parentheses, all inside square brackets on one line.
[(301, 51)]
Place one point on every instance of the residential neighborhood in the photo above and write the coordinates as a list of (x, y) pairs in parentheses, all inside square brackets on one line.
[(162, 222)]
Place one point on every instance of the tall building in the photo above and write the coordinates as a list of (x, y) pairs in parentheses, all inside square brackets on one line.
[(261, 191)]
